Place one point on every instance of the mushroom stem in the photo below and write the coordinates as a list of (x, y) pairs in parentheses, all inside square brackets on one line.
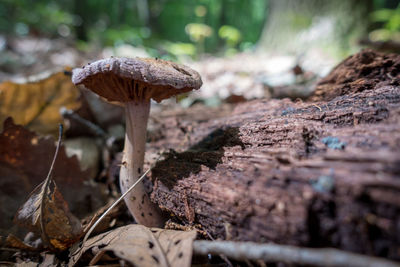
[(143, 210)]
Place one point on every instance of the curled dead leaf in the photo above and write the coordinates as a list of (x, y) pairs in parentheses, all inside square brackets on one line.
[(14, 242), (61, 227), (139, 246), (46, 212), (24, 163)]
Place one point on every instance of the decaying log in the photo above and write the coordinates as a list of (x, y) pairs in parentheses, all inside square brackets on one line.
[(316, 174), (362, 71)]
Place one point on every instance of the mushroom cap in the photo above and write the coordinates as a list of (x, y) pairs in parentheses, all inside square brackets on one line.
[(136, 79)]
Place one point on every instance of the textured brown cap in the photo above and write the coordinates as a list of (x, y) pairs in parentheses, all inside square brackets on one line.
[(136, 79)]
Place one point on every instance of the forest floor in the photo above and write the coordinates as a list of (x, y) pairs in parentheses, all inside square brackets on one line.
[(266, 151)]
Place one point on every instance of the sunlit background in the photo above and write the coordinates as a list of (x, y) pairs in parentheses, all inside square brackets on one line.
[(182, 27), (39, 35), (164, 28)]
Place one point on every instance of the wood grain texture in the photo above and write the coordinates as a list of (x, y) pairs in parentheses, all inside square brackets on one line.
[(266, 171)]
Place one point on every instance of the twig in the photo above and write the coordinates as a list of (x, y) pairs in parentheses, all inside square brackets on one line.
[(118, 201), (70, 114), (318, 107), (222, 256), (46, 186), (288, 254), (9, 249)]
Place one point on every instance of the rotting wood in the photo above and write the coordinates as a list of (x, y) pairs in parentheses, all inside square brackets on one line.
[(265, 171)]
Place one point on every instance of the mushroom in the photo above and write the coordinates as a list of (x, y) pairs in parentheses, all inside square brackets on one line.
[(133, 82)]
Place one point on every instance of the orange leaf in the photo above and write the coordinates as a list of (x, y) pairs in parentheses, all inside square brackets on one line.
[(36, 105)]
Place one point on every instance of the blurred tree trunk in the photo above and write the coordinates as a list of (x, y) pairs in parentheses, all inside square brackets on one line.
[(143, 11), (80, 9), (122, 8), (295, 25)]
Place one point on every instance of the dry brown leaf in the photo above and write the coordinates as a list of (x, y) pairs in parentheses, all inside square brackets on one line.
[(61, 228), (140, 246), (175, 244), (24, 163), (14, 242), (36, 105)]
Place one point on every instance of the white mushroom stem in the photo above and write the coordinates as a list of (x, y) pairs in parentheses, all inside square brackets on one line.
[(143, 210)]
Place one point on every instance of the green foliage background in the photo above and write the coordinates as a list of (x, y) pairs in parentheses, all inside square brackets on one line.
[(142, 22), (161, 26)]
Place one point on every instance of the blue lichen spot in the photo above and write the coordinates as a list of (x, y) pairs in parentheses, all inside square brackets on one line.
[(324, 183), (288, 111), (333, 142)]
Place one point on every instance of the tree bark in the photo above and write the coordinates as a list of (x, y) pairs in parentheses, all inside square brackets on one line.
[(316, 174)]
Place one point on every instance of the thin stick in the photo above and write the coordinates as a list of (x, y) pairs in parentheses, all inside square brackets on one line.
[(112, 206), (225, 258), (70, 114), (46, 186), (117, 201), (288, 254)]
